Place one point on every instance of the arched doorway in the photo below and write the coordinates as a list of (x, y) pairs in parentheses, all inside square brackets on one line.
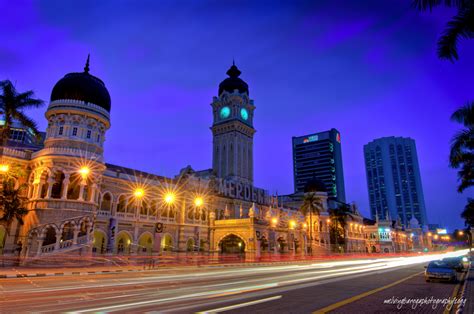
[(145, 243), (232, 244), (167, 243), (50, 236), (190, 245), (123, 243), (282, 245), (99, 242)]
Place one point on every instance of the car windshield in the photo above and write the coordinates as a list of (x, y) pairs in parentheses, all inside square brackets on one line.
[(438, 264)]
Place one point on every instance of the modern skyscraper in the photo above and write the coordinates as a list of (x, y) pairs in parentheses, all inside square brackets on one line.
[(319, 155), (393, 179), (233, 130)]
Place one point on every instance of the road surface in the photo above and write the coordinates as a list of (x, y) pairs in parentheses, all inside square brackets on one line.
[(299, 288)]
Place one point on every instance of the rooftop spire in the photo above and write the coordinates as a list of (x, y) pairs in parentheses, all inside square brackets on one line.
[(86, 68), (233, 71)]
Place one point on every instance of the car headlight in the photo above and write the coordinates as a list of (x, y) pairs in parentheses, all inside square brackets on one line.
[(464, 259)]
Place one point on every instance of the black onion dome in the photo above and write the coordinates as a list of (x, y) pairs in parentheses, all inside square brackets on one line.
[(314, 185), (82, 86), (233, 82)]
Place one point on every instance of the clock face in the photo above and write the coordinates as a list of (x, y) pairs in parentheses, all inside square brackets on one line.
[(244, 114), (225, 112)]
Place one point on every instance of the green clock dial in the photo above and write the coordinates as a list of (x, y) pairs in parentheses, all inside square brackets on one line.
[(225, 112), (244, 113)]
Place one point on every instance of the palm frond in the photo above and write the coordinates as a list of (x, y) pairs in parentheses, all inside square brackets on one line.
[(424, 5), (464, 115), (26, 101), (462, 143), (460, 27), (26, 121)]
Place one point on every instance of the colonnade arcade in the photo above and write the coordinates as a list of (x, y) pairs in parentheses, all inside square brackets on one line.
[(52, 237), (55, 183)]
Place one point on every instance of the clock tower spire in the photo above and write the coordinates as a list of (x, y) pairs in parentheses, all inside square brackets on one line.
[(232, 129)]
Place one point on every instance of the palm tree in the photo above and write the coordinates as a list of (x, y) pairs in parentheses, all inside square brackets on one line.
[(460, 27), (462, 146), (11, 205), (468, 216), (339, 217), (468, 213), (12, 104), (312, 204)]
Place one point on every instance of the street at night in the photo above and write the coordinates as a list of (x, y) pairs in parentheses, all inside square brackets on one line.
[(296, 288), (236, 156)]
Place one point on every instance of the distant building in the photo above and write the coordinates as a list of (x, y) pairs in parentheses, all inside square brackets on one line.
[(319, 155), (22, 137), (393, 179)]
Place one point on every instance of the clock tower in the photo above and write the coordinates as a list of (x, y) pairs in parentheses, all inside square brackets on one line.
[(232, 129)]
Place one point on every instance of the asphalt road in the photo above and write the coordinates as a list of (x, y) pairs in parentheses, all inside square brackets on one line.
[(299, 288)]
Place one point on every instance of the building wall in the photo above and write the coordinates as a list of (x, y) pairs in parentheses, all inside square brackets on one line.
[(394, 181), (319, 154)]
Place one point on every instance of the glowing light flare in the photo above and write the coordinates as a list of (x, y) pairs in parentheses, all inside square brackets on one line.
[(292, 224), (139, 192), (198, 201), (84, 171), (274, 221), (4, 168), (460, 233), (305, 225), (328, 221), (169, 198)]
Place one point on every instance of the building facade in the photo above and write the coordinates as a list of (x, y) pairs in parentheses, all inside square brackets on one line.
[(394, 181), (81, 205), (319, 155)]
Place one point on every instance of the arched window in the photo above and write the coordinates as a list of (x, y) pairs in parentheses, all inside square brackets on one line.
[(122, 203), (74, 186), (68, 232), (50, 236), (56, 191), (106, 203)]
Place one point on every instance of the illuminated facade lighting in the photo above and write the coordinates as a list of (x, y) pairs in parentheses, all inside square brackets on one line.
[(139, 193), (84, 171), (4, 168), (169, 198), (198, 201)]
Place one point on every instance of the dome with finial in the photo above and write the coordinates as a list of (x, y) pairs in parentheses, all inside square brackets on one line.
[(314, 185), (233, 82), (82, 86)]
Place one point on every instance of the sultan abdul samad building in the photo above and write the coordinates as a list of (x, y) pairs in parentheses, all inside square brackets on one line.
[(79, 204)]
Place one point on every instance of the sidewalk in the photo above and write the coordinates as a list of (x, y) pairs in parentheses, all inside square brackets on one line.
[(469, 291)]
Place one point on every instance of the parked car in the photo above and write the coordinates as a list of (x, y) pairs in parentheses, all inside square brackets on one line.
[(440, 270), (459, 263)]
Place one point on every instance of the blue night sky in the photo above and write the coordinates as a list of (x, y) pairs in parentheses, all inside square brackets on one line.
[(368, 70)]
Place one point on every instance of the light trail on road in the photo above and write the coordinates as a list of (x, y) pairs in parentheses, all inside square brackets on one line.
[(156, 290)]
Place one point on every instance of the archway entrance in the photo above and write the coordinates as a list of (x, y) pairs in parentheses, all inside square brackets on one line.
[(123, 243), (99, 242), (167, 243), (145, 244), (232, 244), (190, 245)]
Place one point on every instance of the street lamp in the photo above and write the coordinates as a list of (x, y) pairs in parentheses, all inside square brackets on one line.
[(169, 198), (460, 232), (139, 192), (292, 224), (274, 221), (198, 201), (84, 171)]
